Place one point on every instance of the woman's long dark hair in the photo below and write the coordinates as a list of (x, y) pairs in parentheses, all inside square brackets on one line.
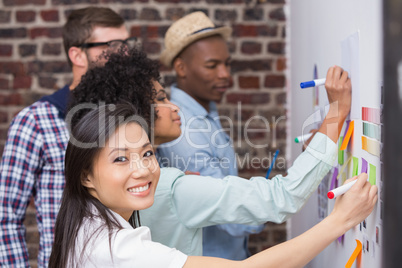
[(87, 138)]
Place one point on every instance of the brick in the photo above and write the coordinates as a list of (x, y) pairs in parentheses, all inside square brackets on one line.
[(240, 30), (30, 98), (281, 98), (261, 237), (47, 82), (13, 33), (3, 133), (51, 49), (279, 236), (128, 14), (26, 50), (123, 1), (50, 15), (23, 2), (254, 65), (267, 30), (222, 2), (232, 46), (150, 14), (276, 1), (4, 83), (48, 67), (22, 82), (253, 14), (11, 67), (249, 82), (277, 14), (51, 32), (148, 31), (243, 114), (281, 64), (177, 1), (152, 47), (274, 81), (6, 50), (10, 99), (5, 16), (255, 98), (194, 9), (3, 117), (225, 15), (251, 48), (174, 13), (25, 16), (73, 2), (277, 48)]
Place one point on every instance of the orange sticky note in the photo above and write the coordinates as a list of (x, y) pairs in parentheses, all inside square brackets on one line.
[(355, 253), (348, 135), (364, 143)]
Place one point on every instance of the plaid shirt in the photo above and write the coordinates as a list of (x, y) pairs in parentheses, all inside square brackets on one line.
[(32, 165)]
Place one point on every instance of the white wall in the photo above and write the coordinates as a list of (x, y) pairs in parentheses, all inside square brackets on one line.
[(316, 30)]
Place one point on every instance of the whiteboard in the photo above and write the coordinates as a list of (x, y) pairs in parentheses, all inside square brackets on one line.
[(316, 31)]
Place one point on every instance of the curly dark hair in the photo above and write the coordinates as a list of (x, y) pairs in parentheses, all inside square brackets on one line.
[(127, 76)]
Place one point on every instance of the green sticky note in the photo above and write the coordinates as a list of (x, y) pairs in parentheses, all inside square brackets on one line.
[(355, 170), (340, 153), (372, 174)]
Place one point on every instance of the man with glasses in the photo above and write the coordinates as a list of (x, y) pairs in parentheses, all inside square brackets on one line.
[(33, 157)]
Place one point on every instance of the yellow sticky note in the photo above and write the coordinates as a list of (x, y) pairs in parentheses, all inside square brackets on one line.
[(348, 135), (372, 174), (340, 153), (355, 170), (355, 253)]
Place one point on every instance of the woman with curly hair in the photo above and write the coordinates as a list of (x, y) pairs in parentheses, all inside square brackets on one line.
[(184, 204), (107, 184)]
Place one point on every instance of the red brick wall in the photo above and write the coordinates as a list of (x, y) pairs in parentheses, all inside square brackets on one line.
[(33, 64)]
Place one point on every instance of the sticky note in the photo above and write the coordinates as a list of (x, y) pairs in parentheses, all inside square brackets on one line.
[(372, 131), (348, 135), (340, 153), (334, 181), (371, 115), (355, 170), (364, 165), (340, 239), (371, 146), (346, 128), (372, 174), (354, 255)]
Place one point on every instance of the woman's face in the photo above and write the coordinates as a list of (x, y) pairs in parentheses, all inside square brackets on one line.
[(125, 173), (167, 125)]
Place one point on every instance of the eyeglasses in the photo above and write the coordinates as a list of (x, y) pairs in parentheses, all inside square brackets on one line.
[(112, 44)]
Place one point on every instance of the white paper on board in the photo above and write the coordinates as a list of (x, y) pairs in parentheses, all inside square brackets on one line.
[(350, 63)]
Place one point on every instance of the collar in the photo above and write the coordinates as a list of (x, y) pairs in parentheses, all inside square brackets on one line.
[(59, 99), (184, 100)]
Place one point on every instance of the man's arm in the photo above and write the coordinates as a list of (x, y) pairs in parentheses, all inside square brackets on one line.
[(339, 87), (20, 161)]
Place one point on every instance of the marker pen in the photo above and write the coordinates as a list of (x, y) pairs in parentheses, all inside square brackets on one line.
[(304, 137), (313, 83), (340, 190), (272, 164)]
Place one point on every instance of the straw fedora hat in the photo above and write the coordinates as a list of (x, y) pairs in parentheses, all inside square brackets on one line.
[(187, 30)]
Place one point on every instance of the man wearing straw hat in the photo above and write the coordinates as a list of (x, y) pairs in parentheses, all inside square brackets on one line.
[(198, 52)]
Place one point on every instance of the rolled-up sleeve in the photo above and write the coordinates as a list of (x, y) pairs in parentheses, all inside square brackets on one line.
[(204, 201)]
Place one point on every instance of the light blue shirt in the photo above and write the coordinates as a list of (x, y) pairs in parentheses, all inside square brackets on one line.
[(184, 204), (205, 147)]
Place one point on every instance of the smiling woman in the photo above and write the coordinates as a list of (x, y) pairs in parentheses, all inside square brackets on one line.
[(98, 222)]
